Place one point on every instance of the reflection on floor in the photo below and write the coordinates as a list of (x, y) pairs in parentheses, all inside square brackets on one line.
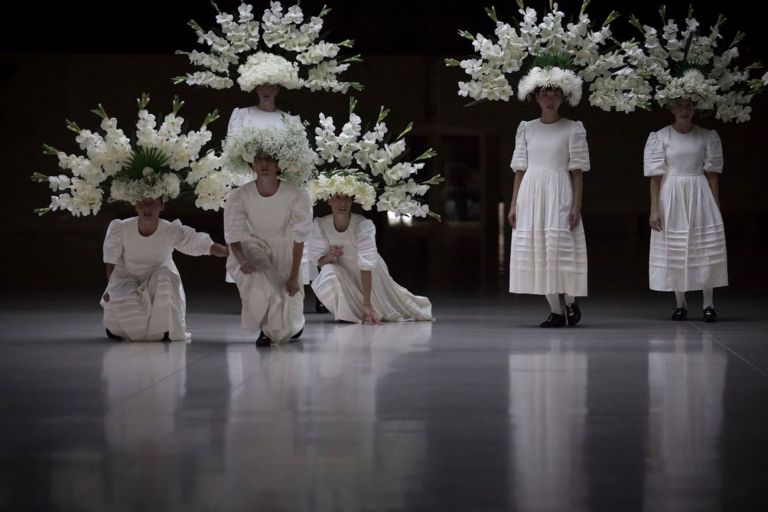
[(478, 411)]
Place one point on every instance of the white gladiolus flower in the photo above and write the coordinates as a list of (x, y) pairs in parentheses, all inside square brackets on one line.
[(266, 68)]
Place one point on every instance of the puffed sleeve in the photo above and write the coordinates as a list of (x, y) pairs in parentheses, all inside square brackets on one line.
[(235, 122), (300, 221), (235, 223), (317, 245), (654, 157), (187, 240), (713, 157), (520, 156), (577, 148), (365, 239), (113, 243)]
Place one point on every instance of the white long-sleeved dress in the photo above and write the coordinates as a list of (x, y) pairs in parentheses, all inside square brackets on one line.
[(146, 297), (546, 255), (267, 228), (339, 285), (690, 253)]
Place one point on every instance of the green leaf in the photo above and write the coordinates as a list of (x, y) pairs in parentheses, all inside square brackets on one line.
[(143, 101), (404, 132)]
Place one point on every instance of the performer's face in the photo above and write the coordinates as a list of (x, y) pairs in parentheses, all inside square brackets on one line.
[(684, 109), (264, 166), (149, 209), (549, 99), (340, 204), (267, 92)]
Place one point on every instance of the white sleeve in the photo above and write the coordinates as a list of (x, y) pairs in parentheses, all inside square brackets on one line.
[(113, 243), (578, 149), (235, 223), (713, 158), (654, 157), (187, 240), (300, 221), (317, 245), (235, 122), (365, 239), (520, 156)]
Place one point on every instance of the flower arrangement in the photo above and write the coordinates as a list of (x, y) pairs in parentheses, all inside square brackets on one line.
[(283, 50), (533, 54), (360, 165), (155, 164), (685, 63), (286, 143)]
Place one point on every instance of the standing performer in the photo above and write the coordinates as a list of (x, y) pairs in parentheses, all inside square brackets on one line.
[(548, 252)]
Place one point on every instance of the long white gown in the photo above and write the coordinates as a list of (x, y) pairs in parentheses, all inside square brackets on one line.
[(689, 254), (339, 285), (546, 255), (146, 297), (267, 228)]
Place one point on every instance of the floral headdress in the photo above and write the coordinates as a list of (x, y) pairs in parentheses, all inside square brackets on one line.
[(688, 64), (281, 50), (362, 165), (286, 143), (547, 54), (156, 164)]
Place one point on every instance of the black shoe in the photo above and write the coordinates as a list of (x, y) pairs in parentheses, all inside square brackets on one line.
[(320, 307), (553, 320), (680, 315), (113, 336), (572, 313), (263, 340), (296, 336), (709, 315), (166, 337)]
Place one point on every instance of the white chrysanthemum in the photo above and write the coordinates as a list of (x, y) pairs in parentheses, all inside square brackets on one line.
[(287, 143), (566, 80), (266, 68), (692, 85), (351, 183)]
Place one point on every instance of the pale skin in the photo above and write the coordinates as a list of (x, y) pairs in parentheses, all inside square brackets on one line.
[(267, 94), (341, 209), (683, 110), (149, 219), (549, 101), (267, 184)]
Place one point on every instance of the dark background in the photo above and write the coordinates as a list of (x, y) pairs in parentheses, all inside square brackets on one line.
[(60, 60)]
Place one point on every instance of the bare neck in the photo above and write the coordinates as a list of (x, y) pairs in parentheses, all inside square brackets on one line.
[(682, 126), (341, 221), (267, 105), (267, 185), (549, 117), (148, 226)]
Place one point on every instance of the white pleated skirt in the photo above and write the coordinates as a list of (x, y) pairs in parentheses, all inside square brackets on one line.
[(690, 253), (546, 256), (146, 308), (339, 288)]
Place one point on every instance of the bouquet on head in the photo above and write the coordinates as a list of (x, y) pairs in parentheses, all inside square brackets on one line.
[(156, 163), (369, 166), (285, 143), (284, 49), (686, 63), (533, 54)]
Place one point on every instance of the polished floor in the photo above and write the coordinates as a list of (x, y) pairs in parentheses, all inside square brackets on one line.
[(478, 411)]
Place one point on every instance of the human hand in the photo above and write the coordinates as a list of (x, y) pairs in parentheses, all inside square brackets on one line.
[(292, 286), (655, 220), (246, 267), (370, 316), (335, 252), (105, 296), (574, 217), (512, 216)]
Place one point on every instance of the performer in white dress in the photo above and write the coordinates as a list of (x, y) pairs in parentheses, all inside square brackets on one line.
[(687, 250), (144, 299), (266, 223), (354, 282), (548, 253)]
